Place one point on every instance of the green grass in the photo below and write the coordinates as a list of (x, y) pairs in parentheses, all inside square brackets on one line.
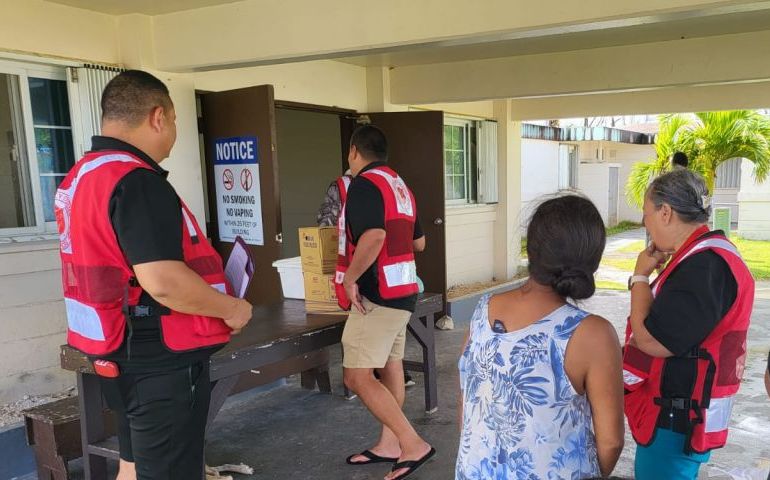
[(610, 285), (524, 247), (623, 226), (756, 254)]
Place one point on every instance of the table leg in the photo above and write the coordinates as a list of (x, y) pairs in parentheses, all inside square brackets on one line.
[(422, 329), (219, 393), (92, 428), (429, 365), (316, 376)]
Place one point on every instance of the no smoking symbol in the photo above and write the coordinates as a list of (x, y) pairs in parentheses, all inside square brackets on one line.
[(246, 179), (227, 179)]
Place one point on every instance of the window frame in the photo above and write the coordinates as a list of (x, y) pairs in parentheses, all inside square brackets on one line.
[(25, 71), (467, 125), (572, 166)]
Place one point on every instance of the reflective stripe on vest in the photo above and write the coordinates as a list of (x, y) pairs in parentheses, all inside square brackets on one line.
[(190, 227), (719, 243), (83, 320), (63, 198), (718, 414), (400, 274), (630, 378), (403, 199)]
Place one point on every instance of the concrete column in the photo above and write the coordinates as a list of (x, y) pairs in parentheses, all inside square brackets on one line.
[(378, 91), (507, 226)]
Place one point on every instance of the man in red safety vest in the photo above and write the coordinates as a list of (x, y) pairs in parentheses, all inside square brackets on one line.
[(376, 276), (145, 293)]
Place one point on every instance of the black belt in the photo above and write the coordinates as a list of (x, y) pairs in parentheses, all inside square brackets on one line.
[(138, 311)]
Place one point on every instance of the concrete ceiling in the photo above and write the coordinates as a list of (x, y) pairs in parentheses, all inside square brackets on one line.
[(147, 7), (754, 19)]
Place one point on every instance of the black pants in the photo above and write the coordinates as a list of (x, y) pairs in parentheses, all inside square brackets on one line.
[(161, 420)]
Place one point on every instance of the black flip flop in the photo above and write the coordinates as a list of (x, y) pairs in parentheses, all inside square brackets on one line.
[(372, 458), (412, 465)]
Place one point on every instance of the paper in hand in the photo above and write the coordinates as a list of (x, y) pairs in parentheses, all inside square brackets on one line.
[(239, 268)]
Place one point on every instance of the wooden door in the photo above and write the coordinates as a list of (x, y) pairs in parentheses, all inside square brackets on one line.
[(247, 113), (416, 152)]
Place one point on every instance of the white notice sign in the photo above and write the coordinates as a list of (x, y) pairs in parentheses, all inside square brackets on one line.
[(236, 173)]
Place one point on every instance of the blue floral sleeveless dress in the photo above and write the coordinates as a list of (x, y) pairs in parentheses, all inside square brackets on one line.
[(522, 419)]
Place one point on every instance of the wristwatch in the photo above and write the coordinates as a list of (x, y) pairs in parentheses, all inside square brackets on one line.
[(637, 278)]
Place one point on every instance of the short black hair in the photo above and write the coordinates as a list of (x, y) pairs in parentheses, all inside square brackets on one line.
[(680, 159), (565, 242), (132, 95), (370, 141)]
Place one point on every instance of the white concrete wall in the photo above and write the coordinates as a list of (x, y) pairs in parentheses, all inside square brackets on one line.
[(327, 82), (754, 206), (32, 321), (46, 28), (539, 173), (627, 155), (594, 182), (470, 244)]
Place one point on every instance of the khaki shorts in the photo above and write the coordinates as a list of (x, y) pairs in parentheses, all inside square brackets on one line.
[(372, 340)]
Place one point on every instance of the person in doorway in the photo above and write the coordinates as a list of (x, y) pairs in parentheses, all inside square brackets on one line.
[(143, 287), (686, 336), (329, 214), (376, 276), (336, 193), (540, 379)]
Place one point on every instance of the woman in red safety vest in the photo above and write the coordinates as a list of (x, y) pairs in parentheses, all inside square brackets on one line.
[(686, 335)]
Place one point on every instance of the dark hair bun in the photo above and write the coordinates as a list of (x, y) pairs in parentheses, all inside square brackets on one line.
[(565, 242), (574, 283)]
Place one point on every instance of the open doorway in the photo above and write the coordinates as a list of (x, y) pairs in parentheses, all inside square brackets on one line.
[(309, 159)]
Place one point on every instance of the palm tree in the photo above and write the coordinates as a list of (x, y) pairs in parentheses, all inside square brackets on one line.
[(708, 139)]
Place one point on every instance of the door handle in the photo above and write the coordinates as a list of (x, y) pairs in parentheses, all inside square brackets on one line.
[(438, 221), (279, 238)]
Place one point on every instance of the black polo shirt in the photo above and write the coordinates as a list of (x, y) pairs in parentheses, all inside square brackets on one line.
[(365, 210), (689, 306), (146, 216)]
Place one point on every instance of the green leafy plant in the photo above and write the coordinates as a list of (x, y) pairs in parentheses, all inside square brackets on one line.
[(708, 139)]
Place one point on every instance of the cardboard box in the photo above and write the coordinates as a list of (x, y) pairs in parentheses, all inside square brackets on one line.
[(318, 249), (319, 287), (324, 308), (320, 296)]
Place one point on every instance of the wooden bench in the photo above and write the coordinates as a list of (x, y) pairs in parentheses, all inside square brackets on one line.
[(276, 333), (53, 432)]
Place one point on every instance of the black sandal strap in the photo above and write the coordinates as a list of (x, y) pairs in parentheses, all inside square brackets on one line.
[(405, 464), (372, 458)]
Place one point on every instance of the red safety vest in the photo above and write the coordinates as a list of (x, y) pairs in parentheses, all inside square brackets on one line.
[(719, 359), (99, 284), (396, 270), (343, 183)]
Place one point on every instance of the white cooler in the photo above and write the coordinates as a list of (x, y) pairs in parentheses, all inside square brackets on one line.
[(292, 281)]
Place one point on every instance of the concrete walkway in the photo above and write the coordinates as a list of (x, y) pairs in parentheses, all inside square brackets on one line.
[(290, 433), (613, 249)]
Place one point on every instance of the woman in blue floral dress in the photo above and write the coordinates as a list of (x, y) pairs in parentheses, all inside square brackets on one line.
[(541, 379)]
